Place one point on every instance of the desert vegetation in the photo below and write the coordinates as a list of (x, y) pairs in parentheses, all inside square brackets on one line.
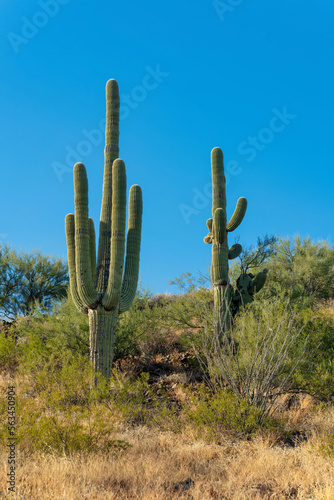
[(183, 415)]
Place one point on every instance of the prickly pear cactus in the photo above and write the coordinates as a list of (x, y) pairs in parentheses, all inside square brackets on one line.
[(247, 287)]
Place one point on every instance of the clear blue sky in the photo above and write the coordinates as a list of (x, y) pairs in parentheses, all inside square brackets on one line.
[(252, 77)]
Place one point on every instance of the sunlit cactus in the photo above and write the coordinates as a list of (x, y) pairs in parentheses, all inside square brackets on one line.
[(218, 237), (104, 288)]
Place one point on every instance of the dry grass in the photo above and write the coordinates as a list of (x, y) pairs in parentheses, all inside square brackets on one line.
[(166, 466)]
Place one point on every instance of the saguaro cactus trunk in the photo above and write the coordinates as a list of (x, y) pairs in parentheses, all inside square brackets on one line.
[(104, 289), (221, 253)]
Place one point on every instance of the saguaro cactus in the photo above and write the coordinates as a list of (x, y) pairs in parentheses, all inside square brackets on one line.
[(102, 290), (221, 253)]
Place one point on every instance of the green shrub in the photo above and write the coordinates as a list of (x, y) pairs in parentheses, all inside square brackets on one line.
[(139, 324), (327, 447), (221, 412), (315, 373), (9, 353), (58, 413), (257, 356)]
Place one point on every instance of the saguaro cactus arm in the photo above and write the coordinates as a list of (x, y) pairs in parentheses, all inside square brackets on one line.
[(85, 285), (70, 240), (234, 251), (92, 247), (118, 214), (209, 237), (130, 278), (238, 215), (219, 225)]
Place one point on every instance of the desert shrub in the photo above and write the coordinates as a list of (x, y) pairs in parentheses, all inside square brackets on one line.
[(315, 373), (57, 411), (67, 330), (191, 310), (31, 339), (299, 269), (257, 357), (132, 397), (215, 413), (9, 353), (141, 323), (326, 448), (303, 269)]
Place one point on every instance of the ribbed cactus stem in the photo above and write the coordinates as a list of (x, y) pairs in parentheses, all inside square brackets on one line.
[(86, 289), (92, 247), (131, 271), (218, 180), (104, 290), (218, 236), (222, 313), (102, 326), (239, 214), (111, 152), (234, 251), (113, 292), (70, 240)]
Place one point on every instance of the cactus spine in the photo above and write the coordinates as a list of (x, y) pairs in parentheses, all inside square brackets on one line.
[(104, 290), (218, 237)]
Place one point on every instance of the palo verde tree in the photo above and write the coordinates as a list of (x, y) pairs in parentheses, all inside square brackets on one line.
[(105, 289), (28, 280)]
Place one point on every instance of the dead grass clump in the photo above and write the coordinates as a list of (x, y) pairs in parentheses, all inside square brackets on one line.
[(164, 466)]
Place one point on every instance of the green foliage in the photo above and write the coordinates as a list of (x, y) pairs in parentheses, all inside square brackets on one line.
[(299, 269), (29, 281), (327, 447), (139, 324), (9, 353), (257, 356), (221, 412), (63, 331), (315, 373), (58, 412), (192, 310), (304, 270), (253, 259), (9, 280), (130, 396)]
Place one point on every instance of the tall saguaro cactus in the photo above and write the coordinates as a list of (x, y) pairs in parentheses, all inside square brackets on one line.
[(218, 237), (104, 289)]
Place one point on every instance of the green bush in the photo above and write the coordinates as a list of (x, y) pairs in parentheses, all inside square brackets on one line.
[(257, 356), (141, 323), (315, 373), (327, 447), (57, 411), (221, 412), (9, 353)]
